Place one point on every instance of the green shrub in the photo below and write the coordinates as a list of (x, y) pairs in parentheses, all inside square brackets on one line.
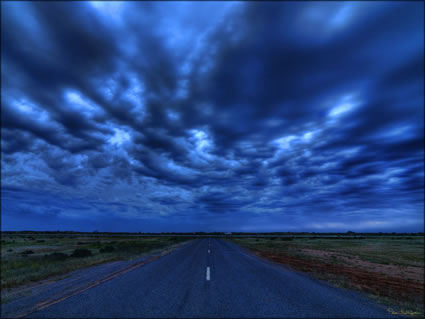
[(56, 256), (97, 244), (27, 252), (81, 252), (106, 249)]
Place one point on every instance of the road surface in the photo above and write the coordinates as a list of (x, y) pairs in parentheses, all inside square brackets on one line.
[(217, 279)]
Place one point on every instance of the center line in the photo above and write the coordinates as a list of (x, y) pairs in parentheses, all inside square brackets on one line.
[(208, 273), (208, 251)]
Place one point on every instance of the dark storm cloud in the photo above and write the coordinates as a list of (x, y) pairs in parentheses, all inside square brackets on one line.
[(218, 202), (267, 116)]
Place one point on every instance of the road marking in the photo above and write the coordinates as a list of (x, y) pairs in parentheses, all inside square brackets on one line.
[(208, 273), (208, 251)]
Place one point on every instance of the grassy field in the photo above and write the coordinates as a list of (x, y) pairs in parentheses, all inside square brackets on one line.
[(390, 270), (27, 258)]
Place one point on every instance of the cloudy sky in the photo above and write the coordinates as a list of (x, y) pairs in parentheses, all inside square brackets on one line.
[(226, 116)]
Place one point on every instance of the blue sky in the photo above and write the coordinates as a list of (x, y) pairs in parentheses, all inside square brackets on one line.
[(214, 116)]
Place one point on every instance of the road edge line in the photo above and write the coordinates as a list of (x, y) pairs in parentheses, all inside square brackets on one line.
[(48, 303)]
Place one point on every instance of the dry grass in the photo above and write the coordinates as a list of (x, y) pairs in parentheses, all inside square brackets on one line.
[(54, 255)]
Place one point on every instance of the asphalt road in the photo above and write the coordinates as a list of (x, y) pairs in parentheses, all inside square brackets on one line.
[(214, 278)]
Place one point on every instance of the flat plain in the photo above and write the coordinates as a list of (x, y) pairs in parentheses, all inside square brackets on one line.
[(389, 268), (202, 278), (29, 258)]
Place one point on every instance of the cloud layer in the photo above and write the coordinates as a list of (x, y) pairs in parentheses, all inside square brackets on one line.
[(211, 116)]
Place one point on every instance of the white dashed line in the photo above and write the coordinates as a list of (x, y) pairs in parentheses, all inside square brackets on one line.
[(208, 251), (208, 273)]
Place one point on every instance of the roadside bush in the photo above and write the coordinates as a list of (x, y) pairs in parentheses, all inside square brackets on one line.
[(106, 249), (27, 252), (40, 241), (56, 256), (10, 249), (286, 238), (97, 244), (81, 252), (132, 247)]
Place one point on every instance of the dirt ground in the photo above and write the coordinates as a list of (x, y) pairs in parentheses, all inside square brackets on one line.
[(404, 283), (396, 271)]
